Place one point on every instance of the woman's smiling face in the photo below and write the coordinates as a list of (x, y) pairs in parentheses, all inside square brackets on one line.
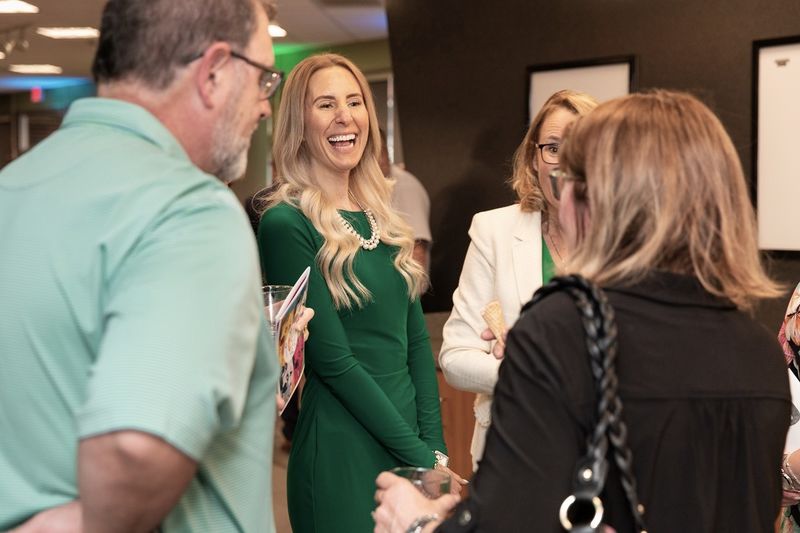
[(336, 122)]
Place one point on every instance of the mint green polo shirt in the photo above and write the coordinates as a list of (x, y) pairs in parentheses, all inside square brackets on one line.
[(130, 300)]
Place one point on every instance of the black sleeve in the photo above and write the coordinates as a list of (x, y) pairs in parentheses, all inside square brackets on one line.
[(536, 436)]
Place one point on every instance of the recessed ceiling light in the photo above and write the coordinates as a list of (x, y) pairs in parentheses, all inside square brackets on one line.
[(69, 33), (276, 31), (16, 6), (35, 69)]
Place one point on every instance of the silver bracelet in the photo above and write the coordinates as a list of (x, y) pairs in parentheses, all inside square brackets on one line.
[(417, 525)]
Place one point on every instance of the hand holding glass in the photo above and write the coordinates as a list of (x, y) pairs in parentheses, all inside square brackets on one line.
[(431, 483)]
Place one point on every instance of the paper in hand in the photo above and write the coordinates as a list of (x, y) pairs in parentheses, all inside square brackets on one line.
[(493, 315)]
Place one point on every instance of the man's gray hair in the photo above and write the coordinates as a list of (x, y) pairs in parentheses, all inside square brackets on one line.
[(148, 40)]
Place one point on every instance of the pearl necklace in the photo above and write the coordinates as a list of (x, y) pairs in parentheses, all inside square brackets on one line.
[(375, 237)]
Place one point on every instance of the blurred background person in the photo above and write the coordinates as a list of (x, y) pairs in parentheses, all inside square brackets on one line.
[(411, 201), (655, 209), (371, 399), (789, 339), (513, 251)]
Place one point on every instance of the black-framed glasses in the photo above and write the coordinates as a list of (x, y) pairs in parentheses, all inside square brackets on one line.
[(557, 180), (270, 79), (549, 152), (268, 82)]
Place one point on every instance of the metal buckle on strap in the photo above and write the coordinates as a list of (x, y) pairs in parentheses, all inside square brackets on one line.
[(571, 500)]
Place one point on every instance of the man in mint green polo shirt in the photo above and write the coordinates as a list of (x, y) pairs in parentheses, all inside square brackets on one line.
[(137, 378)]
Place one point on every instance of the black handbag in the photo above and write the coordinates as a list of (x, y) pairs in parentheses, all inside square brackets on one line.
[(582, 511)]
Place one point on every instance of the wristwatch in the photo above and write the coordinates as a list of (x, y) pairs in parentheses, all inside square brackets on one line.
[(441, 459)]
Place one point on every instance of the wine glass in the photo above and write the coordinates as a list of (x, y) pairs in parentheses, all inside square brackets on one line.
[(274, 295)]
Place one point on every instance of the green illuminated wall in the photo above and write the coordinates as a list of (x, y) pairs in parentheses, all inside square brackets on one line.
[(369, 56)]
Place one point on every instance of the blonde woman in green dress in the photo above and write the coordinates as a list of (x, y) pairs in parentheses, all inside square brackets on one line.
[(371, 400)]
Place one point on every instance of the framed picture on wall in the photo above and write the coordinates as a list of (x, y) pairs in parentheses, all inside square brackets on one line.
[(776, 114), (382, 86), (603, 78)]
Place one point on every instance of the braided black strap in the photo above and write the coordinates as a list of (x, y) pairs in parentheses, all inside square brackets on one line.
[(591, 471)]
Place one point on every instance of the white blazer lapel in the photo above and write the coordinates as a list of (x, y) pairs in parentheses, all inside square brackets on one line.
[(527, 254)]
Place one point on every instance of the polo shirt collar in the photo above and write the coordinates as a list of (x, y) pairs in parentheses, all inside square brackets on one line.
[(674, 289), (122, 115)]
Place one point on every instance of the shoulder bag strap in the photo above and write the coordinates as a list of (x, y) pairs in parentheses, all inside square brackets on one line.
[(582, 511)]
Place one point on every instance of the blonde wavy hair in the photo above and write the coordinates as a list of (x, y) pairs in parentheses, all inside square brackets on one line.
[(296, 185), (524, 179), (664, 190)]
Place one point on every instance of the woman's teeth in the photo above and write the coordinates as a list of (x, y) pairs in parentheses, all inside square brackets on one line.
[(340, 140)]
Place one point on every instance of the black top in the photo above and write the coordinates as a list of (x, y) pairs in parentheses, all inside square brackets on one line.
[(706, 401)]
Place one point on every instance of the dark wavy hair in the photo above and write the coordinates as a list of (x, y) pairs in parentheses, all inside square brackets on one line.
[(148, 40)]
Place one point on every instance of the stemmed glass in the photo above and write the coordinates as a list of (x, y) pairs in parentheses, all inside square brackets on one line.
[(274, 295)]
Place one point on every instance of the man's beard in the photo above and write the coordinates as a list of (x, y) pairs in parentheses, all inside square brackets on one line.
[(229, 149)]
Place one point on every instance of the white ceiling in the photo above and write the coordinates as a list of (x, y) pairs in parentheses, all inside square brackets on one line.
[(306, 21)]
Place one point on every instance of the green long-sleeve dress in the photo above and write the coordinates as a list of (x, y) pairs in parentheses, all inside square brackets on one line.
[(371, 400)]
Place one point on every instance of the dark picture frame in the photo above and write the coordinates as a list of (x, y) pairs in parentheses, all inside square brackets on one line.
[(603, 77), (775, 108)]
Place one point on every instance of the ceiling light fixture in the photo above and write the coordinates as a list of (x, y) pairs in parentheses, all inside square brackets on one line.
[(13, 40), (276, 31), (35, 69), (16, 6), (69, 33)]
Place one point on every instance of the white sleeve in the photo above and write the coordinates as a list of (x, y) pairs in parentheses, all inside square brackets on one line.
[(466, 359)]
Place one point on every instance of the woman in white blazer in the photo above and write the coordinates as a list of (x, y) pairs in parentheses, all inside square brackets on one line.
[(513, 251)]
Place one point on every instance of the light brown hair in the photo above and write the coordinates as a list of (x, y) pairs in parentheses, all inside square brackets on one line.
[(664, 190), (524, 179), (296, 185)]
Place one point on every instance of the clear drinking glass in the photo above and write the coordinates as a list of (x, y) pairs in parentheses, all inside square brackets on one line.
[(431, 483), (274, 295)]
